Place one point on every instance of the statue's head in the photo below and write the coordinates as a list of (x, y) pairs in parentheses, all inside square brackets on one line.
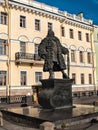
[(50, 33)]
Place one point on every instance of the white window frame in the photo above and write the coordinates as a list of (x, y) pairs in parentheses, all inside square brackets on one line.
[(26, 77), (35, 77)]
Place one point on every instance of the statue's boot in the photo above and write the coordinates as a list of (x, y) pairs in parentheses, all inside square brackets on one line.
[(51, 74)]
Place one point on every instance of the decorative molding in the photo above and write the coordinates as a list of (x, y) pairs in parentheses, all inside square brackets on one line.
[(73, 47), (78, 24), (3, 36), (50, 12), (88, 50), (81, 48), (37, 40), (23, 38)]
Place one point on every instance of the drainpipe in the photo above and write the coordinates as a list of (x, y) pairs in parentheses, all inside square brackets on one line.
[(93, 62), (68, 59), (7, 9)]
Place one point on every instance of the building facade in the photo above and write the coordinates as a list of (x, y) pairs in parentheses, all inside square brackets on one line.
[(23, 24), (96, 48)]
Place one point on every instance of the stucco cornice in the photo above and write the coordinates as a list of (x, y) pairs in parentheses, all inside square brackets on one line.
[(54, 14)]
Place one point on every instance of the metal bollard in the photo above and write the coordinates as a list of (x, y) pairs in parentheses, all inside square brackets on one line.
[(47, 126)]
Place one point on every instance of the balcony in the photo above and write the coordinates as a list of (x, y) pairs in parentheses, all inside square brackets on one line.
[(29, 58)]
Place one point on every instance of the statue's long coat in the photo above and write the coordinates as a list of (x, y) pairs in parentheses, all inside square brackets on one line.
[(45, 51)]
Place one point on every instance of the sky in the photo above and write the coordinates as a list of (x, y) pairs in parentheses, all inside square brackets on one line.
[(88, 7)]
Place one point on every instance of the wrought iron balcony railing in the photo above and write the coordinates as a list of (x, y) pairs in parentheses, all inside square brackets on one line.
[(27, 57)]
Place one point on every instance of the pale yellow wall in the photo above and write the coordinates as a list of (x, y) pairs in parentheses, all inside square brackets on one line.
[(3, 29), (31, 36)]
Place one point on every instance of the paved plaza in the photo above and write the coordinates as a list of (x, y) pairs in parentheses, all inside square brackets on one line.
[(10, 126), (7, 125)]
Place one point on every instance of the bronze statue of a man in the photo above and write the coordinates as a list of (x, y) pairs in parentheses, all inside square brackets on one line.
[(51, 50)]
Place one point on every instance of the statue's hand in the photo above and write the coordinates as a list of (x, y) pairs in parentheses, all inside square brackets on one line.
[(65, 50), (44, 56)]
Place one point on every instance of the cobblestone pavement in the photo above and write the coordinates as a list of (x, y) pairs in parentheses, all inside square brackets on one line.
[(10, 126), (93, 127)]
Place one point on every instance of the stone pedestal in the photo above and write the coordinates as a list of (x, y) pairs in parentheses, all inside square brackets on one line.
[(56, 93)]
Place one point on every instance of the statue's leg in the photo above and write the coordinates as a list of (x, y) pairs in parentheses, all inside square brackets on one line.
[(64, 75), (51, 74)]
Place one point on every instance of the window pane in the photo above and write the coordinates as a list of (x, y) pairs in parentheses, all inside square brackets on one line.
[(3, 46), (38, 76), (3, 78), (97, 36), (90, 78), (81, 56), (71, 33), (73, 55), (22, 46), (23, 78), (82, 78), (79, 35), (22, 21), (36, 48), (37, 24), (87, 37), (74, 78), (3, 18), (63, 31), (50, 26), (89, 57)]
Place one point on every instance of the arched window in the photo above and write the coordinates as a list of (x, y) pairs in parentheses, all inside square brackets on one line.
[(73, 59), (89, 57), (22, 46), (81, 54), (73, 53), (3, 47)]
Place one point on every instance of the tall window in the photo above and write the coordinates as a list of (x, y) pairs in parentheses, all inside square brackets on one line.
[(36, 48), (63, 31), (3, 46), (23, 78), (23, 21), (89, 57), (87, 37), (97, 36), (22, 46), (82, 78), (37, 24), (79, 35), (71, 33), (50, 26), (38, 77), (81, 57), (90, 78), (74, 78), (3, 76), (3, 18), (73, 55), (36, 56)]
